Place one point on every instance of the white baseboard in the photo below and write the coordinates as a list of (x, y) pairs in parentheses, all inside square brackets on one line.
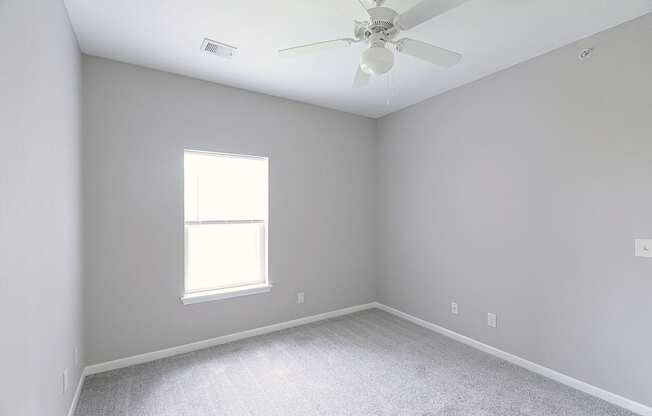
[(607, 396), (195, 346), (75, 398)]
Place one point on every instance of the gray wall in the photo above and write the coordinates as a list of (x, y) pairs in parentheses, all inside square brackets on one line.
[(40, 311), (137, 122), (521, 194)]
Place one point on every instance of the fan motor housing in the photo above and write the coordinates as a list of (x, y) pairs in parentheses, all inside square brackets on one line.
[(382, 22)]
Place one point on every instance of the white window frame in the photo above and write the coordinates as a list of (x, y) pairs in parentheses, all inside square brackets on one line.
[(208, 295)]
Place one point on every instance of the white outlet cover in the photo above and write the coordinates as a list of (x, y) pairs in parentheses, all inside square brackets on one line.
[(301, 297), (76, 355), (492, 320), (643, 248), (454, 308)]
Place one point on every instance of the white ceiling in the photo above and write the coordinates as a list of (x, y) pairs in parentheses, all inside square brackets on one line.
[(491, 34)]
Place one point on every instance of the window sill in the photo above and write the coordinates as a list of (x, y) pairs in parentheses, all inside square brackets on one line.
[(211, 295)]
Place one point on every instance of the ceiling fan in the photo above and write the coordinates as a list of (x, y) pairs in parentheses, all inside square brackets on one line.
[(380, 30)]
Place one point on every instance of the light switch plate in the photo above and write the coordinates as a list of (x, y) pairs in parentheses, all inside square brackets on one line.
[(643, 248)]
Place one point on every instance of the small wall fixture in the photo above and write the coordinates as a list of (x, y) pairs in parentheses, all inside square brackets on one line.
[(585, 54)]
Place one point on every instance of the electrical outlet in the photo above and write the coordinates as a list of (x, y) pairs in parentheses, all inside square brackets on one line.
[(492, 320), (454, 309), (76, 356), (300, 297), (64, 380)]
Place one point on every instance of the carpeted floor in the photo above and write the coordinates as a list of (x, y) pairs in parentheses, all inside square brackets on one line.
[(368, 363)]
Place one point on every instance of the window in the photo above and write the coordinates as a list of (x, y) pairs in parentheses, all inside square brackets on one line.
[(225, 215)]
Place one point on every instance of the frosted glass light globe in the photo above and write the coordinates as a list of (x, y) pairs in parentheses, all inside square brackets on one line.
[(376, 60)]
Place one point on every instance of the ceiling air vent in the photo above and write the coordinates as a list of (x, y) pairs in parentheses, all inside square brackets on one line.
[(217, 48)]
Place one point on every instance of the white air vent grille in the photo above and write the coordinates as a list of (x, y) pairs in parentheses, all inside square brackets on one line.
[(219, 49)]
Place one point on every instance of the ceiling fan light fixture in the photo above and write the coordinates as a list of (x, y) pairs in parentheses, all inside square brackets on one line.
[(382, 28), (376, 60)]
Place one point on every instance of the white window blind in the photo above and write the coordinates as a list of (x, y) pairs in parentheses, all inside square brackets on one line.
[(225, 213)]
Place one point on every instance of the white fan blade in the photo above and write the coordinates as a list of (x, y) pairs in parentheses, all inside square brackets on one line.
[(428, 52), (315, 47), (425, 11), (353, 9), (366, 4), (361, 78)]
